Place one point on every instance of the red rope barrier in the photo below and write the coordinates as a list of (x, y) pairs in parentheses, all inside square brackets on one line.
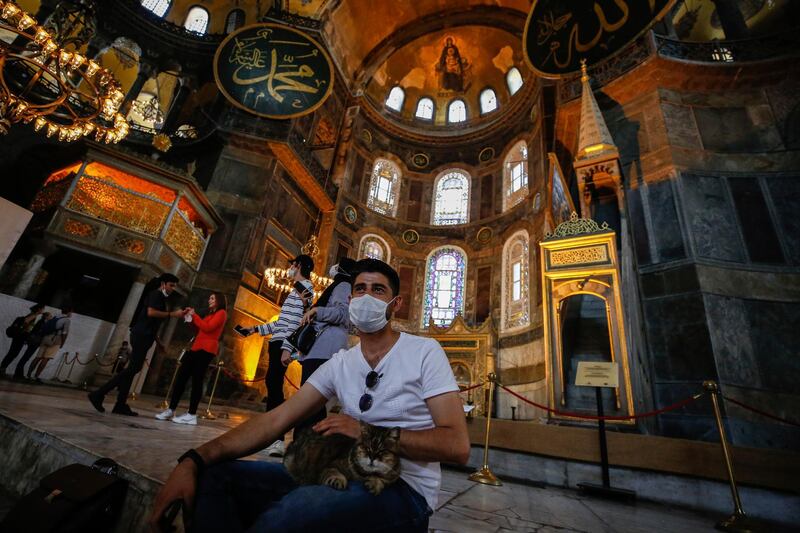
[(675, 405), (470, 388), (760, 412)]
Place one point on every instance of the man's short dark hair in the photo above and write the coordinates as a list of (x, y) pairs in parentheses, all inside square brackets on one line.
[(67, 309), (166, 277), (305, 263), (376, 265)]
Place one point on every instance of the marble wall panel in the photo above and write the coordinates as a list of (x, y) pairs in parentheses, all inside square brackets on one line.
[(776, 338), (730, 332), (710, 218), (664, 219), (785, 195), (736, 129), (681, 126)]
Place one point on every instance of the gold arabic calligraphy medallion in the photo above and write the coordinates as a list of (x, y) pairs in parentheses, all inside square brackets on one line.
[(273, 71)]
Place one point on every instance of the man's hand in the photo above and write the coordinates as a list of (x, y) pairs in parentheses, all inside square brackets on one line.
[(286, 357), (177, 312), (341, 424), (181, 485), (309, 316)]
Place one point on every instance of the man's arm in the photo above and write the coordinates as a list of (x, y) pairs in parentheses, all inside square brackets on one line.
[(158, 313), (249, 437), (447, 442)]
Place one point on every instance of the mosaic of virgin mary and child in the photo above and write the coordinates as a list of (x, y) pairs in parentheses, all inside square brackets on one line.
[(452, 68)]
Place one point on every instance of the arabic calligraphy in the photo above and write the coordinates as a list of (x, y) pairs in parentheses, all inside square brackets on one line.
[(559, 34), (274, 71)]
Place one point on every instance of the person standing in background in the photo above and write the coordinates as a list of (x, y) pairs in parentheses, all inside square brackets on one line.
[(19, 330), (53, 340)]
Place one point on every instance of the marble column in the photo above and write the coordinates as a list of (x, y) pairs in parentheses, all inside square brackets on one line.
[(124, 321), (731, 19), (31, 271)]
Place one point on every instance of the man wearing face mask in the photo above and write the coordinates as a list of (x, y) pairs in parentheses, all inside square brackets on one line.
[(390, 379), (280, 349), (143, 334)]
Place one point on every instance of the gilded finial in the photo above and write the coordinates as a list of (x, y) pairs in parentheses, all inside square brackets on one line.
[(584, 73)]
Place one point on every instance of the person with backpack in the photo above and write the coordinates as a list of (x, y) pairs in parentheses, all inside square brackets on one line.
[(33, 342), (54, 335), (18, 333), (196, 360)]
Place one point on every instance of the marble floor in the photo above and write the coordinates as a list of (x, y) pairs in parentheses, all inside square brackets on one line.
[(149, 446)]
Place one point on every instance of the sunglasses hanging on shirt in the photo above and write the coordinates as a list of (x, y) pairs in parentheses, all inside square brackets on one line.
[(372, 380)]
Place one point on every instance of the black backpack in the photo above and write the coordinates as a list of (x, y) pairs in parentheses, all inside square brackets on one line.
[(73, 499), (16, 328)]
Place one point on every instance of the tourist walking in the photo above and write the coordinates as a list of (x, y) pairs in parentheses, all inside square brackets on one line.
[(18, 331), (143, 334), (195, 362)]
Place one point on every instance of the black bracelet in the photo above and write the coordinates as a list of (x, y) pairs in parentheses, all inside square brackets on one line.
[(196, 459)]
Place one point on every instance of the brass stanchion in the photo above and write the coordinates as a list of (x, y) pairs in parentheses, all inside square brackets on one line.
[(163, 404), (484, 474), (208, 415), (738, 521), (60, 365)]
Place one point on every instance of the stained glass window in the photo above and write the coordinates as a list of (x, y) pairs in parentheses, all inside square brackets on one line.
[(425, 108), (451, 203), (445, 278), (234, 21), (457, 112), (488, 101), (383, 187), (514, 80), (396, 98), (374, 247), (159, 7), (515, 175), (197, 20), (515, 304)]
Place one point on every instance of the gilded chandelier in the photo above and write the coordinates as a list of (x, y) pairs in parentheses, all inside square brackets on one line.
[(60, 91)]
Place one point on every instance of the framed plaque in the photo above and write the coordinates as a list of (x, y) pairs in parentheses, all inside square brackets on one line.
[(273, 71)]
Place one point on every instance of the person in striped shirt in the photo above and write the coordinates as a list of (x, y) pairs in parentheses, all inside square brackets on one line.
[(280, 349)]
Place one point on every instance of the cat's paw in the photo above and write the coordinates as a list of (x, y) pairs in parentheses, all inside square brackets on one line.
[(335, 480), (374, 485)]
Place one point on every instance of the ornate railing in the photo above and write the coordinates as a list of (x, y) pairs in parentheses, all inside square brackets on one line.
[(185, 240), (291, 19), (737, 51)]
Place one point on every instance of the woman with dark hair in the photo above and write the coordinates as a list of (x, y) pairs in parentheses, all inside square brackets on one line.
[(332, 323), (195, 361), (20, 330)]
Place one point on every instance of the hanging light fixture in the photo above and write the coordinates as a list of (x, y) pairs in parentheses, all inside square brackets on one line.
[(60, 91), (278, 279)]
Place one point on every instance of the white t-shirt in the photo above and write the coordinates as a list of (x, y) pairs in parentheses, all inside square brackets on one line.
[(415, 369)]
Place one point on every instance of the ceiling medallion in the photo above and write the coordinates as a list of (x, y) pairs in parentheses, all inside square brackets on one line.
[(486, 154), (350, 214), (410, 237), (420, 160), (484, 235)]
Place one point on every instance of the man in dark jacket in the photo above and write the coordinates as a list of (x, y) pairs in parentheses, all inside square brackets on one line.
[(143, 335)]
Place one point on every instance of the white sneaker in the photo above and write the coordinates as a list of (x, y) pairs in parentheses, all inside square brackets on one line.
[(166, 414), (186, 418), (276, 449)]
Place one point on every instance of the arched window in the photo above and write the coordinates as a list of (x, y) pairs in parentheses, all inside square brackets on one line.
[(515, 304), (488, 101), (457, 111), (513, 80), (383, 187), (515, 175), (425, 109), (396, 98), (234, 21), (445, 277), (451, 200), (159, 7), (374, 247), (197, 20)]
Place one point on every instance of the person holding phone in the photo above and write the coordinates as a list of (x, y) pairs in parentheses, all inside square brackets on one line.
[(196, 360), (280, 349)]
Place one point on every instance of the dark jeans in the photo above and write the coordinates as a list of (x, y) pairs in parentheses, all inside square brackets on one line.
[(13, 351), (193, 365), (32, 348), (122, 381), (309, 366), (275, 373), (259, 496)]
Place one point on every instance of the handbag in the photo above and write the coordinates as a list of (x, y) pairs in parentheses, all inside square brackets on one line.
[(304, 337)]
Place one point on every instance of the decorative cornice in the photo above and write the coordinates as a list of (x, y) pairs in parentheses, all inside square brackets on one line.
[(576, 226)]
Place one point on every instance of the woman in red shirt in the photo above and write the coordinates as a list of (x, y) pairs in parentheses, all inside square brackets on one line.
[(195, 361)]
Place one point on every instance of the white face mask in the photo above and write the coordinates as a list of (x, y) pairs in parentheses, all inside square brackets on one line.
[(368, 314), (333, 271), (291, 272)]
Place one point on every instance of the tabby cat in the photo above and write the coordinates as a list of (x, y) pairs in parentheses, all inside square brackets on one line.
[(312, 459)]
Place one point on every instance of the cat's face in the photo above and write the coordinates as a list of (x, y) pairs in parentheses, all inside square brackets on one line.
[(376, 452)]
